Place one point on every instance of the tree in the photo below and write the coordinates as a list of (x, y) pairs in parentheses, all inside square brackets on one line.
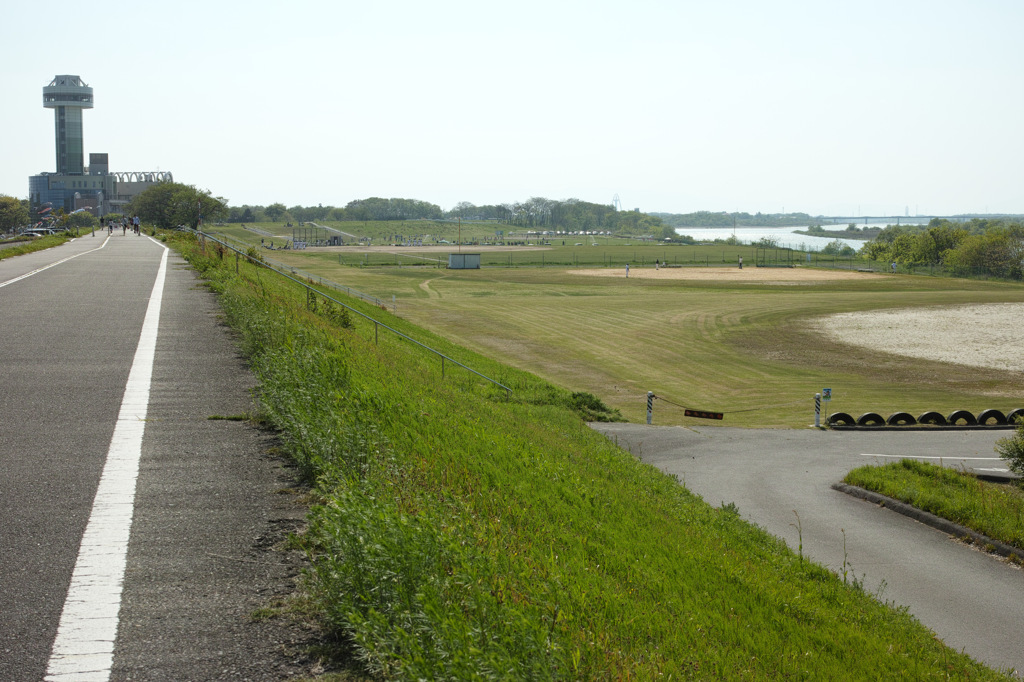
[(80, 219), (275, 211), (170, 204), (999, 251), (837, 247), (378, 208), (12, 213)]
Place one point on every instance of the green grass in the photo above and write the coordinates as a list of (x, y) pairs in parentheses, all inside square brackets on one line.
[(541, 251), (34, 244), (380, 232), (994, 510), (744, 349), (460, 534)]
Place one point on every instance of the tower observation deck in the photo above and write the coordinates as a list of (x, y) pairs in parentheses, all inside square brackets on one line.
[(68, 96)]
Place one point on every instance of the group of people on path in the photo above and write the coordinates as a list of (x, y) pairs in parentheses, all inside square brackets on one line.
[(125, 222)]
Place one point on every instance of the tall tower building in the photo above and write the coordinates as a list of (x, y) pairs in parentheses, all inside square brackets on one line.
[(68, 96), (75, 187)]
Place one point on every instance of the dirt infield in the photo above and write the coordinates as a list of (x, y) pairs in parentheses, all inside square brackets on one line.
[(988, 335), (733, 274)]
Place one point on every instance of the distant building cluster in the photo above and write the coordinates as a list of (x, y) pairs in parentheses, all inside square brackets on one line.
[(75, 186)]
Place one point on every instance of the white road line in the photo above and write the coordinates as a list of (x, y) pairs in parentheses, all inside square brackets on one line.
[(47, 267), (84, 647), (950, 458)]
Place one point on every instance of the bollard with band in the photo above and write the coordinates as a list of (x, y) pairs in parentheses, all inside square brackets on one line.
[(817, 410), (650, 405)]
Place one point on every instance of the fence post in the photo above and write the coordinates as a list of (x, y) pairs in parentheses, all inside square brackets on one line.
[(650, 405), (817, 410)]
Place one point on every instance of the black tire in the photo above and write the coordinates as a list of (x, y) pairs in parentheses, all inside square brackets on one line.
[(932, 418), (901, 419), (871, 419), (1015, 416), (956, 415), (986, 415), (841, 419)]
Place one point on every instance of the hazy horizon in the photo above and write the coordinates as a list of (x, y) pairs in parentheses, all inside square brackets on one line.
[(867, 108)]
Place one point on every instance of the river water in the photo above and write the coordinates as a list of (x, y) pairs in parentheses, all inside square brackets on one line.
[(785, 237)]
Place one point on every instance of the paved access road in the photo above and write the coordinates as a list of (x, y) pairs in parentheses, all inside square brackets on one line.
[(972, 601), (202, 503)]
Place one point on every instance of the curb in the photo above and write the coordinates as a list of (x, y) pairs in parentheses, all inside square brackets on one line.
[(927, 518)]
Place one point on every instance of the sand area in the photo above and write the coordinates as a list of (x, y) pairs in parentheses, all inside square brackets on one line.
[(989, 335)]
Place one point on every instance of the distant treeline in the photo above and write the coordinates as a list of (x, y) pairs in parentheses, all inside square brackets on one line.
[(996, 244), (536, 213), (723, 219)]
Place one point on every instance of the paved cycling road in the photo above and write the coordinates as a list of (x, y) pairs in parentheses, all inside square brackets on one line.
[(204, 500), (971, 600)]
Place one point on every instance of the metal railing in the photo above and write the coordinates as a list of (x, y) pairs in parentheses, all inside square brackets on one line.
[(279, 269)]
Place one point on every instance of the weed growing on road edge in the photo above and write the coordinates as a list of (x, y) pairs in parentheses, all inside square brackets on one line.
[(800, 536)]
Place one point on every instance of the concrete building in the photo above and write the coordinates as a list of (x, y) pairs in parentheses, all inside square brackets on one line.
[(74, 185)]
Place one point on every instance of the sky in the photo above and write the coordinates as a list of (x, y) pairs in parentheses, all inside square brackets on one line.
[(831, 108)]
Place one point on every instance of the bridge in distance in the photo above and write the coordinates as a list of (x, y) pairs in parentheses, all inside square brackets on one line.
[(914, 219)]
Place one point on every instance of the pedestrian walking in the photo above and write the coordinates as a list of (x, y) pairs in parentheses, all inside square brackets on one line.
[(741, 262), (627, 270)]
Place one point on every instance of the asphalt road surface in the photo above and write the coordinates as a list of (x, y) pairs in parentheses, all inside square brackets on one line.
[(971, 600), (203, 497), (206, 502)]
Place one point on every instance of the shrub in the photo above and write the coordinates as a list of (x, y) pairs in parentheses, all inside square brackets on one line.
[(592, 409), (1011, 449)]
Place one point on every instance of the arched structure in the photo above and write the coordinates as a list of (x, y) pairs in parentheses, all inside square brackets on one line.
[(143, 176)]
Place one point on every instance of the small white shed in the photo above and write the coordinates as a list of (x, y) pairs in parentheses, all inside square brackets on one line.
[(463, 261)]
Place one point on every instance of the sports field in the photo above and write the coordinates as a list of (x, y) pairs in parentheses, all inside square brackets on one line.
[(752, 343)]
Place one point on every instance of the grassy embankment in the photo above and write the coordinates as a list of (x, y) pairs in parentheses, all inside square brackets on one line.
[(11, 248), (461, 535), (744, 348), (994, 510)]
